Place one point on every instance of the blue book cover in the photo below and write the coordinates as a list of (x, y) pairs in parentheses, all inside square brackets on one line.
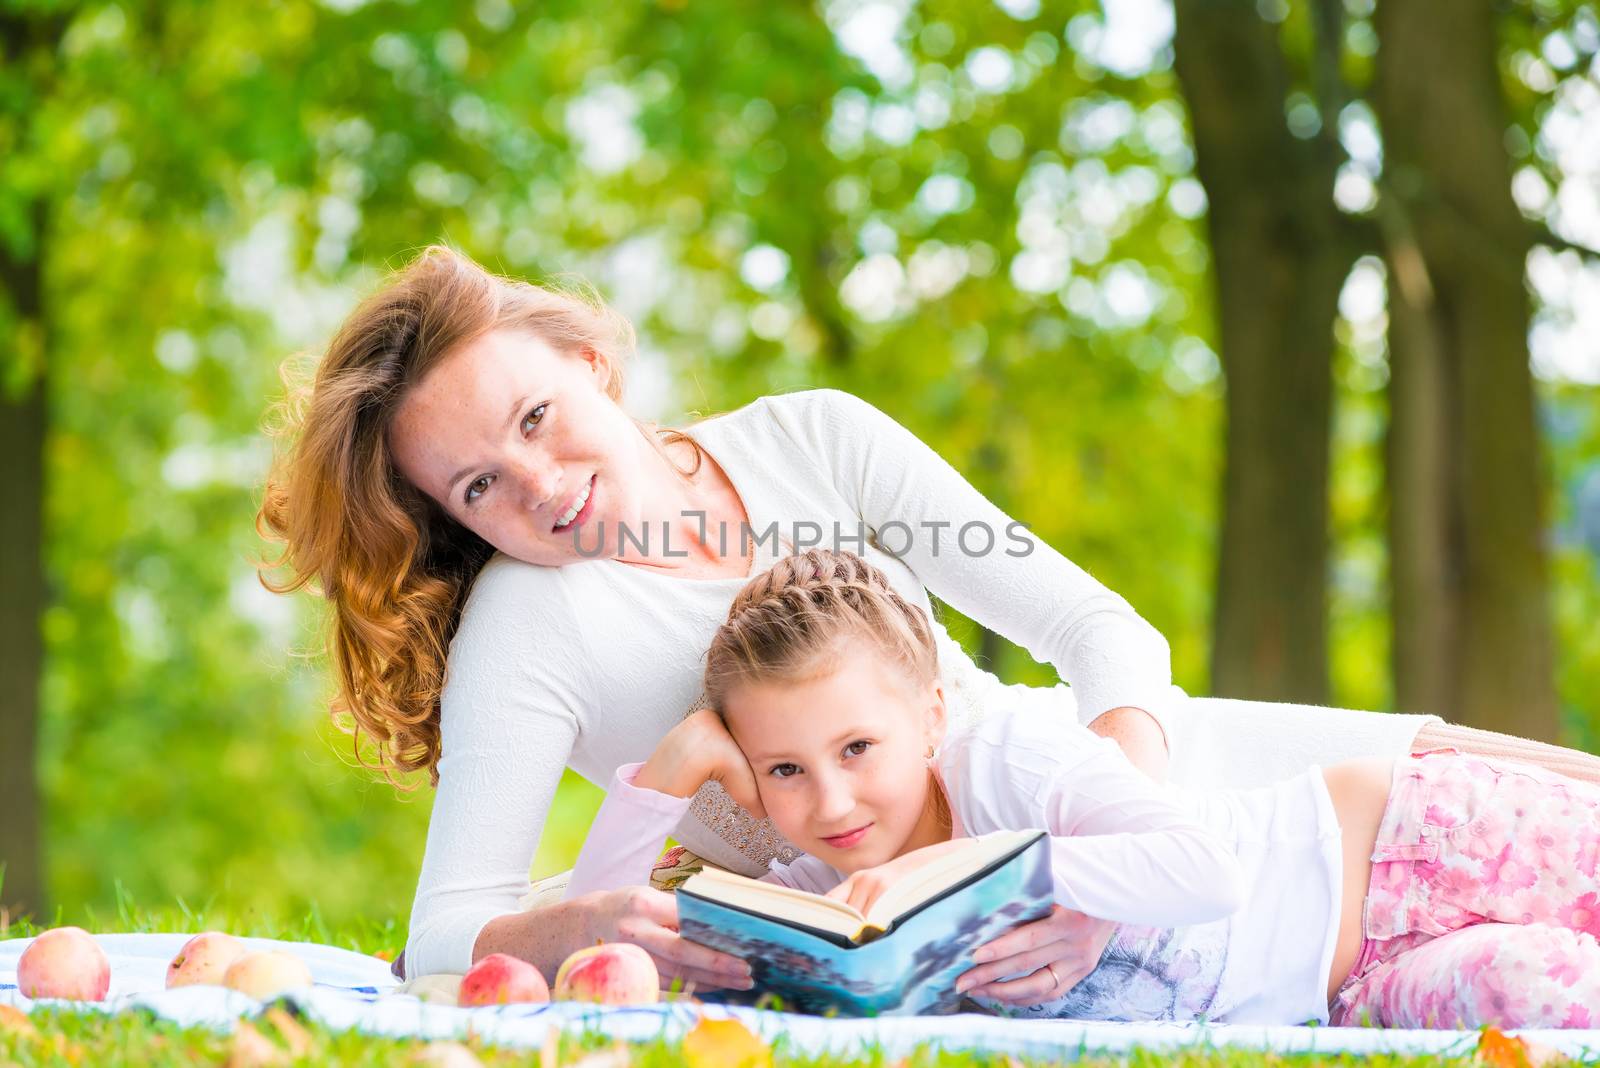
[(909, 965)]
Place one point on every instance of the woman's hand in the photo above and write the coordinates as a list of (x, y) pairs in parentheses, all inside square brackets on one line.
[(864, 887), (1068, 942), (696, 751), (649, 919)]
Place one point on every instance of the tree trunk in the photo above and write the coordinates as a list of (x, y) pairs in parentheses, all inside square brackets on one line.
[(22, 433), (1281, 259), (1472, 628), (28, 44)]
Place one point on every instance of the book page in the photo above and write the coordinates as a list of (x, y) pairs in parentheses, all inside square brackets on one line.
[(941, 873), (820, 913), (780, 902)]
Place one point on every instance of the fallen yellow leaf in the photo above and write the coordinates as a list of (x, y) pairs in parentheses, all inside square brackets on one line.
[(615, 1057), (14, 1021), (71, 1052), (1500, 1050), (297, 1037), (252, 1049), (724, 1044), (550, 1051), (446, 1055)]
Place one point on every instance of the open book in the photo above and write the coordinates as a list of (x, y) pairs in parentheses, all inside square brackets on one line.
[(815, 954)]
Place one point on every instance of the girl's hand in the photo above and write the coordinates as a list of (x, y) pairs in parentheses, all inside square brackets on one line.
[(696, 751), (864, 887), (1070, 943), (649, 919)]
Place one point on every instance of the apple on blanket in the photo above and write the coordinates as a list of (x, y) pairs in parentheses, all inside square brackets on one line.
[(67, 962)]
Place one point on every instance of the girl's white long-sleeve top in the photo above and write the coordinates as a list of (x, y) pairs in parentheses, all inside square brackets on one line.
[(1121, 847), (1229, 900)]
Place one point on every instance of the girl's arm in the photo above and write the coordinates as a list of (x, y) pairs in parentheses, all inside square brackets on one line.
[(625, 840), (1122, 848), (646, 801), (626, 835), (1125, 849), (985, 565)]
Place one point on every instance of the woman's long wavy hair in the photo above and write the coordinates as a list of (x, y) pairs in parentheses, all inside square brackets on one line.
[(790, 623), (394, 567)]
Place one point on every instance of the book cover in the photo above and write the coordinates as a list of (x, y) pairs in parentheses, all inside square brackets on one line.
[(910, 969)]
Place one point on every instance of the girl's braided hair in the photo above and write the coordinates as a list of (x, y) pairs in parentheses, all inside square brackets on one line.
[(793, 622)]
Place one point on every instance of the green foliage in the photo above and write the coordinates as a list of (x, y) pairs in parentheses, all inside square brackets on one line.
[(993, 236)]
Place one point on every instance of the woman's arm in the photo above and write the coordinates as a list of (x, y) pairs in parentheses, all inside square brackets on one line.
[(639, 914), (508, 726), (503, 754), (1018, 586), (495, 786)]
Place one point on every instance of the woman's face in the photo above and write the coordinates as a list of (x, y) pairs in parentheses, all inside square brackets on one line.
[(840, 760), (507, 435)]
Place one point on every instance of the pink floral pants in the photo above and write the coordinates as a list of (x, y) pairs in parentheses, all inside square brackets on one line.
[(1484, 905)]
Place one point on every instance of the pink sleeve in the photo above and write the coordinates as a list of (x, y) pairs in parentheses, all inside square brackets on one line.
[(805, 872), (1125, 849), (626, 836)]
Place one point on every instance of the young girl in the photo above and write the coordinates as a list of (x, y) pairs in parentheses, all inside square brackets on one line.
[(1438, 891)]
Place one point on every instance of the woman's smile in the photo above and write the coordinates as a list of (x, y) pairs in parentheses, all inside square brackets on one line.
[(579, 509)]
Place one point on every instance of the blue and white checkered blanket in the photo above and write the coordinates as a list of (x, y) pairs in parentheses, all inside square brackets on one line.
[(357, 991)]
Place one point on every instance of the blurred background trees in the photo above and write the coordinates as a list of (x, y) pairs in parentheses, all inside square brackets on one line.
[(1278, 316)]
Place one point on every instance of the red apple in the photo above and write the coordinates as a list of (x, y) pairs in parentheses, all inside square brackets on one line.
[(500, 979), (204, 959), (266, 975), (64, 963), (612, 973)]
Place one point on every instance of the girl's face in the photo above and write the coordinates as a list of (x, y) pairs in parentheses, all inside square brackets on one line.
[(507, 434), (840, 761)]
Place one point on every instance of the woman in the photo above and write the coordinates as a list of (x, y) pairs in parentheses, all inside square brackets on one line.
[(466, 490)]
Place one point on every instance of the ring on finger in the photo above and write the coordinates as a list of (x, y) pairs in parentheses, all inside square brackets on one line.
[(1055, 980)]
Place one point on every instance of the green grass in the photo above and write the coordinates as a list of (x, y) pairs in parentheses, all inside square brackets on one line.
[(126, 1039), (54, 1037), (384, 938)]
